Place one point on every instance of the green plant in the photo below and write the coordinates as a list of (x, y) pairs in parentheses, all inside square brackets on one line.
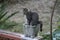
[(8, 25), (46, 37), (18, 28), (4, 23)]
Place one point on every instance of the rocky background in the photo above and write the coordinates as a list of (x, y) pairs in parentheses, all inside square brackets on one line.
[(42, 7)]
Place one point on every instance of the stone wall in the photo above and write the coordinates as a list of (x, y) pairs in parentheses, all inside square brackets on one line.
[(42, 7)]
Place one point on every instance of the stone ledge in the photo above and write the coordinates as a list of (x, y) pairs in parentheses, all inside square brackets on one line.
[(16, 36)]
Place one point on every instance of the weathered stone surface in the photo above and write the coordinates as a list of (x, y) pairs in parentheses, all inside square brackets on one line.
[(42, 7)]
